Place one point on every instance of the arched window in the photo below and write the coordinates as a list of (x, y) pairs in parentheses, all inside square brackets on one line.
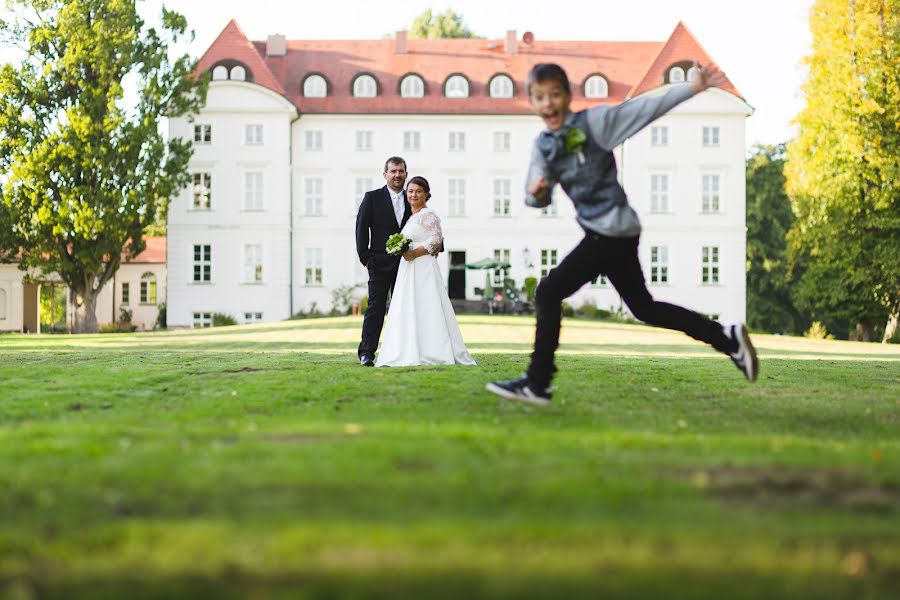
[(148, 288), (220, 73), (596, 87), (365, 86), (456, 86), (501, 87), (238, 73), (676, 75), (692, 73), (315, 86), (412, 86), (2, 304)]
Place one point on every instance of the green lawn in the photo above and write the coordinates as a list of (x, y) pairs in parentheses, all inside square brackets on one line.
[(261, 461)]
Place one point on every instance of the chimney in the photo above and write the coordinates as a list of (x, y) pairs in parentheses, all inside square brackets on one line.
[(512, 44), (276, 45), (402, 47)]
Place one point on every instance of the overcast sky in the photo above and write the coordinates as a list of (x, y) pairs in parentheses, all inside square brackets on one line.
[(760, 45)]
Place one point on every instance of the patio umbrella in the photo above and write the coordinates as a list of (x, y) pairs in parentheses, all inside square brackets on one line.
[(488, 264)]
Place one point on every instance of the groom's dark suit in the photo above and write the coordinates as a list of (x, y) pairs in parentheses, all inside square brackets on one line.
[(375, 223)]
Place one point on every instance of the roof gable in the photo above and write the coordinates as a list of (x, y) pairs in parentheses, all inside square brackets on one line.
[(233, 44)]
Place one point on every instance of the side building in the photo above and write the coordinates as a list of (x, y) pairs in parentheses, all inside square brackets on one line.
[(294, 132)]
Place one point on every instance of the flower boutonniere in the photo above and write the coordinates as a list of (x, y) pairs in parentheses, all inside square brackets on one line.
[(575, 139)]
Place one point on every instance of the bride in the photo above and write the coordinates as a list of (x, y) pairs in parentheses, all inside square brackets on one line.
[(421, 326)]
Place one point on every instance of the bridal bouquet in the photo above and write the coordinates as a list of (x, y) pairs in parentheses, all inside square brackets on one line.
[(397, 244)]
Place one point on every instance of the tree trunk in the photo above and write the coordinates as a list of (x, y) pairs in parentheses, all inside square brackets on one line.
[(862, 333), (86, 311), (890, 330)]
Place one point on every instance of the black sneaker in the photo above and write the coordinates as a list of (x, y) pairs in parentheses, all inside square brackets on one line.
[(520, 389), (366, 361), (745, 355)]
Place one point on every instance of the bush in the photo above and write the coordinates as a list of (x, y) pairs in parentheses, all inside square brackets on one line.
[(118, 327), (161, 317), (529, 286), (567, 310), (818, 332), (221, 320)]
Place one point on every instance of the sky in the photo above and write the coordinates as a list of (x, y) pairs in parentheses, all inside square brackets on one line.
[(760, 45)]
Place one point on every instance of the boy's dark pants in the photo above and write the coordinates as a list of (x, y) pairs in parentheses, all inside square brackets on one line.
[(617, 258)]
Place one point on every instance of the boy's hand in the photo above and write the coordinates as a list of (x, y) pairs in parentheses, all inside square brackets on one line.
[(539, 189), (707, 76)]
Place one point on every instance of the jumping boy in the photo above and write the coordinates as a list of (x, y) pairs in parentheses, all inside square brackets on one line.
[(575, 150)]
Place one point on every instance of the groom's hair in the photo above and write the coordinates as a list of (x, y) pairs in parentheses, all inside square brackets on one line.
[(395, 160)]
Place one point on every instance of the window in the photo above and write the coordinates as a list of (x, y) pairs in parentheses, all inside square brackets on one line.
[(659, 264), (457, 141), (363, 141), (252, 317), (501, 87), (676, 75), (456, 197), (659, 135), (313, 140), (692, 73), (253, 263), (253, 190), (710, 136), (238, 73), (363, 185), (710, 264), (202, 262), (202, 191), (500, 255), (253, 135), (313, 196), (148, 288), (412, 86), (596, 87), (502, 141), (313, 270), (2, 304), (202, 134), (659, 193), (365, 86), (412, 141), (711, 194), (126, 293), (457, 86), (202, 320), (548, 261), (220, 73), (502, 197), (600, 281), (315, 86)]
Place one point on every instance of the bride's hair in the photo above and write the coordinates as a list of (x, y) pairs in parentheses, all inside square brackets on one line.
[(422, 183)]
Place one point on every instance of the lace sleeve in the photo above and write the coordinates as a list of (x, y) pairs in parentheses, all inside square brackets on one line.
[(431, 223)]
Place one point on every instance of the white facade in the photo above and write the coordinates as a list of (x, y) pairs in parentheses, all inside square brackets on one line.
[(11, 298), (315, 169)]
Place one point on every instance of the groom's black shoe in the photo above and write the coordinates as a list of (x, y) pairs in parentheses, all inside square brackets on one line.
[(366, 361), (520, 389)]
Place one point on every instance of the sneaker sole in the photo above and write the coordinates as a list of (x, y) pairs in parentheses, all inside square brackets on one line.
[(747, 345), (503, 393)]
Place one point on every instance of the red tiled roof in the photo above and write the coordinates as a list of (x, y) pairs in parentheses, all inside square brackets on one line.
[(155, 252), (630, 68)]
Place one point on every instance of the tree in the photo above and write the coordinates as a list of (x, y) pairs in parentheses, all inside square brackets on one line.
[(446, 25), (842, 172), (769, 217), (85, 170)]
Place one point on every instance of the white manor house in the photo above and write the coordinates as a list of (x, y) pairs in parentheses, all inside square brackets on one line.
[(294, 132)]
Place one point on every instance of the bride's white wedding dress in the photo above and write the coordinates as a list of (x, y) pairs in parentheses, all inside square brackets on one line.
[(421, 326)]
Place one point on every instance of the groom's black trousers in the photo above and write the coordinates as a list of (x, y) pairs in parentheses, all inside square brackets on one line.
[(382, 276), (617, 258)]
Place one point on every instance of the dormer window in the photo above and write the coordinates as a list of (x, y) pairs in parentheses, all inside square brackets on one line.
[(238, 73), (596, 86), (412, 86), (680, 72), (501, 87), (676, 75), (220, 73), (456, 86), (692, 73), (315, 86), (365, 86), (231, 70)]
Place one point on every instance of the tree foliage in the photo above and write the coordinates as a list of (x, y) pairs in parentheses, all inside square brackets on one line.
[(448, 24), (843, 174), (769, 217), (84, 166)]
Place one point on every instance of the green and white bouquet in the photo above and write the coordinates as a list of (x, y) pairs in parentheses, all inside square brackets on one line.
[(397, 244)]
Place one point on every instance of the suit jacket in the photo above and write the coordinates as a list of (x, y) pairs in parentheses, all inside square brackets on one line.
[(375, 223)]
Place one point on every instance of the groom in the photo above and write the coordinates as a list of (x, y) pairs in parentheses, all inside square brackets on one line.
[(382, 213)]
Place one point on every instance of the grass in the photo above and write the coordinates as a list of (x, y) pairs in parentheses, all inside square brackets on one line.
[(261, 461)]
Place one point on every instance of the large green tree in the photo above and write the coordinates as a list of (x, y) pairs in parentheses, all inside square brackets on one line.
[(448, 24), (85, 167), (843, 172), (769, 217)]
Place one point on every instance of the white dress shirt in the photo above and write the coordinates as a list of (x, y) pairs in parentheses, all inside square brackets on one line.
[(397, 201)]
